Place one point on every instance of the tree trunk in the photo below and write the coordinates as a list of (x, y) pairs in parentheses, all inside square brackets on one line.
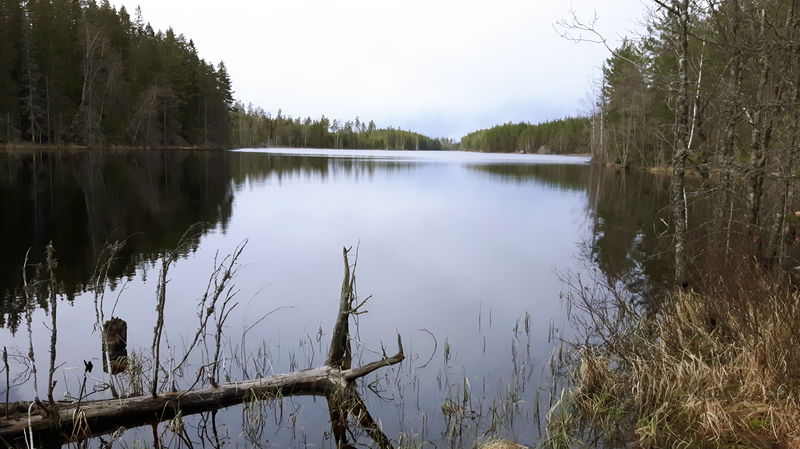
[(760, 138), (677, 192), (100, 417), (732, 111), (778, 240)]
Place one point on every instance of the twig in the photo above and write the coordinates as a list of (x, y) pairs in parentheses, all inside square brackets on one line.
[(29, 320), (574, 24), (161, 298), (8, 377), (222, 273), (101, 272), (435, 347), (361, 371), (52, 263)]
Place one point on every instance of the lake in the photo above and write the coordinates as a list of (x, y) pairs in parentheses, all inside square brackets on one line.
[(464, 255)]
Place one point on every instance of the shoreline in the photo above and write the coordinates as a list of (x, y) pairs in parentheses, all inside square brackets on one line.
[(657, 170), (71, 147)]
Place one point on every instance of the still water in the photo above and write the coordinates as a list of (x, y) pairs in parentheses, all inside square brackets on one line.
[(462, 253)]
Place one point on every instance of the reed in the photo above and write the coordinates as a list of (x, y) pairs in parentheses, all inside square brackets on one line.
[(709, 369)]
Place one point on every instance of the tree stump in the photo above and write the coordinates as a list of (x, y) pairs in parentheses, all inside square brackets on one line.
[(115, 345)]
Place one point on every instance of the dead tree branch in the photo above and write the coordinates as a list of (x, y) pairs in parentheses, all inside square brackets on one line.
[(75, 421)]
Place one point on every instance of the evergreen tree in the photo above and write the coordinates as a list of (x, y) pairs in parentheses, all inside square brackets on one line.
[(11, 29), (75, 71)]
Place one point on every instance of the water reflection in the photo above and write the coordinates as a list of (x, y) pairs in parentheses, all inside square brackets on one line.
[(260, 167), (80, 200), (627, 214), (459, 251), (563, 177), (630, 239)]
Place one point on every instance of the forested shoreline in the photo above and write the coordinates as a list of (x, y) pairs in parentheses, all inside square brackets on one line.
[(565, 136), (254, 127), (711, 88), (74, 72), (82, 73), (731, 92), (78, 73)]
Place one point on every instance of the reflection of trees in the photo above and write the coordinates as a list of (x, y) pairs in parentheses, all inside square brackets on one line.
[(630, 241), (248, 167), (82, 199), (629, 215), (627, 210), (565, 177)]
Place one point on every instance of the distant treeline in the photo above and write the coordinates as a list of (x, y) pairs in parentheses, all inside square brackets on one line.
[(253, 127), (569, 135), (75, 72)]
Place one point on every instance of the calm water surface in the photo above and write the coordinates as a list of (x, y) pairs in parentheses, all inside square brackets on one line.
[(462, 253)]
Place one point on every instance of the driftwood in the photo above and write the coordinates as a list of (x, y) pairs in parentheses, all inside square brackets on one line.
[(65, 422)]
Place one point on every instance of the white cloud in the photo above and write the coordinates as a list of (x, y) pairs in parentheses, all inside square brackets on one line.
[(441, 67)]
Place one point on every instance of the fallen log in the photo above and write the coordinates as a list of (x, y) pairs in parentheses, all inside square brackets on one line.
[(53, 425), (72, 422)]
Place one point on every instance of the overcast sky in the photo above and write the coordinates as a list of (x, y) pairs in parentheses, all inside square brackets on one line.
[(440, 67)]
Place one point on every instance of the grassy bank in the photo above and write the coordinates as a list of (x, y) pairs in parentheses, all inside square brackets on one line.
[(713, 369)]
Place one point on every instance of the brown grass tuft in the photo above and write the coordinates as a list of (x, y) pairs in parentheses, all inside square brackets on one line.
[(711, 370), (501, 444)]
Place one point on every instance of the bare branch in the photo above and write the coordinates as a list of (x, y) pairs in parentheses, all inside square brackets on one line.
[(576, 30)]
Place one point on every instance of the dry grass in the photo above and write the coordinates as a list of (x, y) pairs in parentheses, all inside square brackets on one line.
[(501, 444), (711, 370)]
